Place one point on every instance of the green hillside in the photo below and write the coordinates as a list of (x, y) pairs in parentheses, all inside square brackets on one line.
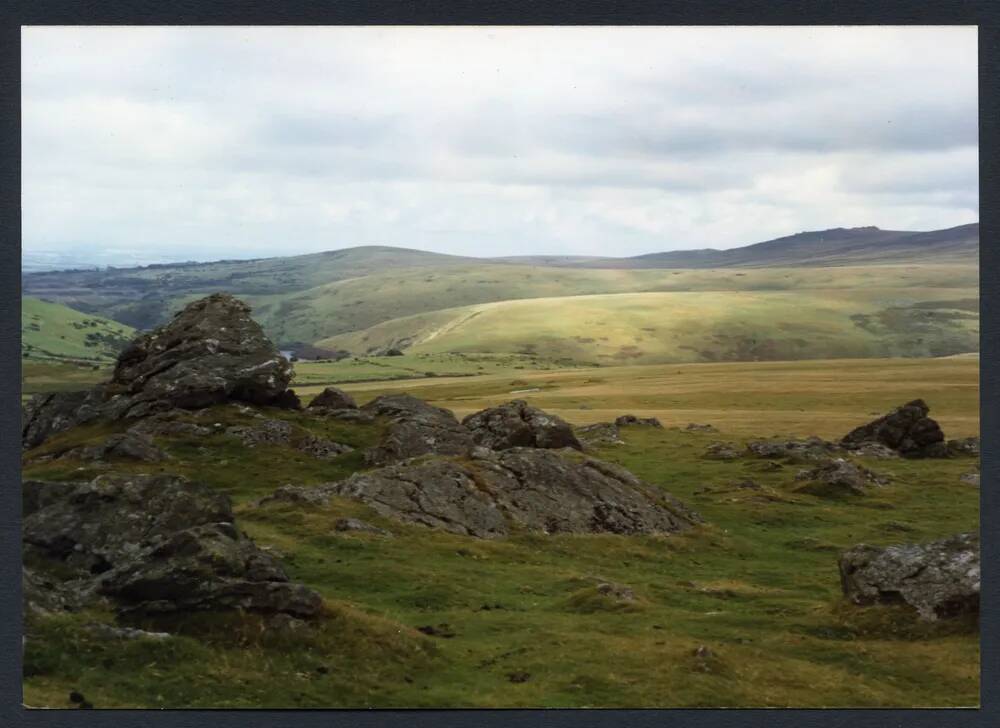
[(696, 326), (50, 331), (356, 304)]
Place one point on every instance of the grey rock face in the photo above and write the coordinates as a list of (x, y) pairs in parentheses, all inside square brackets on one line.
[(212, 351), (279, 432), (599, 433), (964, 446), (907, 430), (124, 446), (721, 451), (156, 543), (627, 420), (518, 424), (939, 579), (333, 398), (873, 450), (838, 477), (530, 488), (812, 448), (415, 428)]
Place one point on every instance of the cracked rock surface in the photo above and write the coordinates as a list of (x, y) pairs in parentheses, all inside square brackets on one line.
[(414, 428), (518, 424), (939, 579)]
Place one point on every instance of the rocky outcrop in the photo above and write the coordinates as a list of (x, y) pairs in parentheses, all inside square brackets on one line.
[(599, 433), (155, 543), (518, 424), (907, 430), (414, 428), (721, 451), (838, 477), (495, 493), (123, 446), (333, 398), (965, 446), (627, 420), (211, 352), (939, 579), (279, 432), (811, 448)]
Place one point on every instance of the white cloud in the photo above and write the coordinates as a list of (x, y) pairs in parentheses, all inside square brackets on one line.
[(226, 142)]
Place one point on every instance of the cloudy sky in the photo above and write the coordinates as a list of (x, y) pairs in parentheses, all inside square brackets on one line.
[(202, 143)]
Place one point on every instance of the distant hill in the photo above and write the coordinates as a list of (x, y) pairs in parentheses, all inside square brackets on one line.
[(838, 246), (305, 298), (52, 331)]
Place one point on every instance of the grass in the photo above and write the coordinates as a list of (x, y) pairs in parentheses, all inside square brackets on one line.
[(757, 585), (51, 331)]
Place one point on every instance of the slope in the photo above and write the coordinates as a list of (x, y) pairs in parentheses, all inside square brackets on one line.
[(52, 331), (695, 326)]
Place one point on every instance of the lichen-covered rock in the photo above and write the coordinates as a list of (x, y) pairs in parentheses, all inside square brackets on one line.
[(518, 424), (873, 450), (838, 477), (939, 579), (599, 433), (529, 488), (964, 446), (122, 446), (211, 352), (721, 451), (811, 448), (155, 543), (415, 428), (280, 432), (628, 420), (333, 398), (907, 430)]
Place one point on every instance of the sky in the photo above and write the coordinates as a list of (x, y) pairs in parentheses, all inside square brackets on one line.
[(162, 144)]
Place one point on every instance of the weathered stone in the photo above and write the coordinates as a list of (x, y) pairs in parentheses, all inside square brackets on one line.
[(873, 450), (530, 488), (694, 427), (157, 543), (964, 446), (279, 432), (211, 352), (907, 430), (518, 424), (721, 451), (123, 446), (599, 433), (971, 478), (837, 477), (333, 398), (47, 414), (627, 420), (939, 579), (415, 428), (812, 448), (357, 525), (169, 424)]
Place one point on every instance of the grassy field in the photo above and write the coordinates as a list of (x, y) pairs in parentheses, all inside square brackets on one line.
[(51, 331), (757, 585)]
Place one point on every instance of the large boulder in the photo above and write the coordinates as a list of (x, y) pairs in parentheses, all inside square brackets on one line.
[(939, 579), (518, 424), (599, 433), (333, 398), (154, 543), (493, 493), (811, 448), (211, 352), (414, 428), (838, 477), (907, 430)]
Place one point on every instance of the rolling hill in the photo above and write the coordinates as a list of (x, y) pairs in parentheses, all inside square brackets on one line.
[(50, 331), (693, 326)]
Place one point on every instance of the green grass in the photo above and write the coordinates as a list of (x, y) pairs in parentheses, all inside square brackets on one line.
[(51, 331), (757, 584)]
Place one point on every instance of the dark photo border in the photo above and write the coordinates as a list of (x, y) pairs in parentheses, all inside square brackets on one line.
[(15, 13)]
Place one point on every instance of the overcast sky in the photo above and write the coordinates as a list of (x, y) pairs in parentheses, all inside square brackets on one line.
[(202, 143)]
